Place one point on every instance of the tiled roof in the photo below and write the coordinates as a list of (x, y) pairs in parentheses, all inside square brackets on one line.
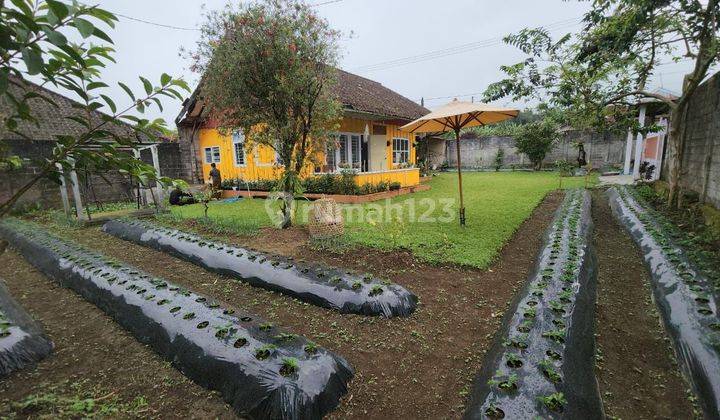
[(51, 119), (360, 94), (356, 94)]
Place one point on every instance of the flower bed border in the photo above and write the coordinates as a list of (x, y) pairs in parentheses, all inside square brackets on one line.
[(22, 341), (339, 198), (542, 361), (262, 371), (676, 287), (335, 289)]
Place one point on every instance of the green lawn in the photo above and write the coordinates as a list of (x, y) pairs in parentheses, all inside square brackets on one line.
[(496, 204)]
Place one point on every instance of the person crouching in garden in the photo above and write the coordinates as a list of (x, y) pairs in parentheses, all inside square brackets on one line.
[(178, 197)]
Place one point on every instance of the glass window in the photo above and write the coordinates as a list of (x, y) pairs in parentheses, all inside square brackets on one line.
[(401, 150), (343, 149), (239, 154), (330, 161), (212, 154), (355, 145), (239, 148)]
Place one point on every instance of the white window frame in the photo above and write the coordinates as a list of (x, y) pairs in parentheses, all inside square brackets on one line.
[(214, 157), (344, 151), (400, 150), (238, 139), (331, 150)]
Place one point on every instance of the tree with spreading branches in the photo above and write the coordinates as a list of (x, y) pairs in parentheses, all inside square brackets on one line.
[(599, 74), (35, 46), (269, 68)]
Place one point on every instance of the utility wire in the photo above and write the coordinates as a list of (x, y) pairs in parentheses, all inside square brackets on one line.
[(666, 63), (180, 28), (465, 95), (162, 25), (458, 49), (323, 3)]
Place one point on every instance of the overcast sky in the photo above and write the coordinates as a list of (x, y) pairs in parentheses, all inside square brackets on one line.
[(391, 42)]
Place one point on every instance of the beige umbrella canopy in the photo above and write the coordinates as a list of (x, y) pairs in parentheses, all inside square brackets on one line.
[(454, 117)]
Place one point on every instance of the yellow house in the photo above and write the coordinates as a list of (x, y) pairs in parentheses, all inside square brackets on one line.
[(369, 140)]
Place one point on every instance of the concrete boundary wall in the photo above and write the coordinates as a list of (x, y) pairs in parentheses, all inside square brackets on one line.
[(701, 161), (603, 150)]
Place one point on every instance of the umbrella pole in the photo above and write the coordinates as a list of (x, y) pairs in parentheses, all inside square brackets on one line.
[(462, 204)]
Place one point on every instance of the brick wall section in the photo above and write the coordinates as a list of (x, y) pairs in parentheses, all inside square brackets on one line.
[(46, 193), (189, 157), (603, 150), (701, 162)]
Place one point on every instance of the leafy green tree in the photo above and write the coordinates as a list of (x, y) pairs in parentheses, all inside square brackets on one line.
[(269, 68), (636, 36), (35, 45), (597, 75), (536, 139)]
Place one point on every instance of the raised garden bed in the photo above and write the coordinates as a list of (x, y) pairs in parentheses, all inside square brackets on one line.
[(684, 297), (340, 198), (22, 341), (542, 362), (262, 371), (340, 290)]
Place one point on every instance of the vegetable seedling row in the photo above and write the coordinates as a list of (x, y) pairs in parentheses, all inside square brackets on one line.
[(262, 371), (684, 297), (340, 290), (542, 363)]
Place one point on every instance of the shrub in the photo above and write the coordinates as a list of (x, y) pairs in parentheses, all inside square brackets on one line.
[(564, 167), (536, 139), (346, 184), (499, 159), (343, 184)]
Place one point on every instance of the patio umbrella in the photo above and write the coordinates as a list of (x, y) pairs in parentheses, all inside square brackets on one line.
[(455, 116)]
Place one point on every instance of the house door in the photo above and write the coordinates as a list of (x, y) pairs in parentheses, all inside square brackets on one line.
[(378, 152)]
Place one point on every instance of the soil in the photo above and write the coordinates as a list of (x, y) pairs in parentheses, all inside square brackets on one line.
[(416, 367), (93, 358), (638, 375)]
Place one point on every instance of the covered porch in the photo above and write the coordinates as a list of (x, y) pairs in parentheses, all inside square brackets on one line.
[(374, 148)]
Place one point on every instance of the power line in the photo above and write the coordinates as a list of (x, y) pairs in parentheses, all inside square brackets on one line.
[(454, 96), (458, 49), (323, 3), (162, 25), (465, 95), (180, 28), (666, 63)]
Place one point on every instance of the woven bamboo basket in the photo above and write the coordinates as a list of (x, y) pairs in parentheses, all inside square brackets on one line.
[(326, 219)]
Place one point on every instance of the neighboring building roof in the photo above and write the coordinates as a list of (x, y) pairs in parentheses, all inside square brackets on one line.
[(356, 93), (52, 120)]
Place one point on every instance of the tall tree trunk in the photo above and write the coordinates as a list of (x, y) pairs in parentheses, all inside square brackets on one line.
[(678, 129), (287, 204)]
